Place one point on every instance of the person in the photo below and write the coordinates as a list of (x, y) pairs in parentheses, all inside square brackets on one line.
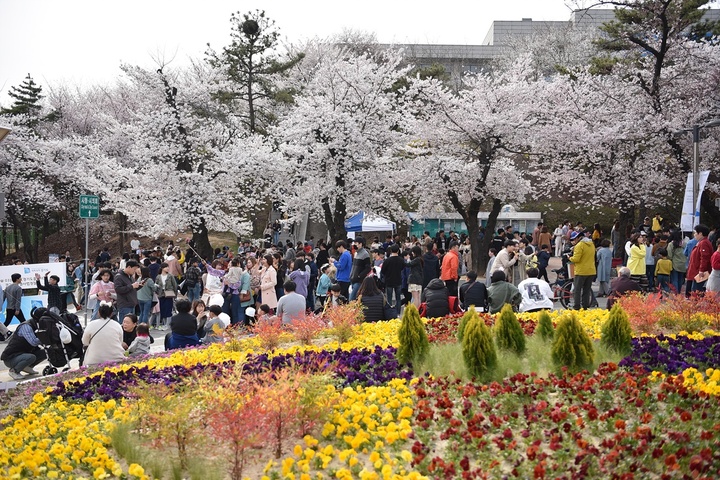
[(583, 257), (473, 292), (657, 224), (545, 238), (344, 266), (596, 235), (13, 296), (192, 280), (201, 312), (103, 338), (126, 287), (23, 351), (414, 261), (604, 265), (391, 272), (323, 284), (245, 296), (129, 326), (713, 282), (335, 297), (505, 259), (431, 264), (102, 291), (700, 267), (268, 280), (558, 240), (435, 296), (210, 333), (183, 327), (361, 266), (449, 269), (145, 295), (616, 239), (300, 276), (141, 343), (501, 292), (491, 253), (51, 286), (622, 285), (663, 269), (166, 288), (291, 305), (372, 300), (536, 292), (650, 261), (679, 261)]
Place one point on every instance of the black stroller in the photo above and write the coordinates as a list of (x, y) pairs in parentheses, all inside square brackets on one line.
[(59, 354)]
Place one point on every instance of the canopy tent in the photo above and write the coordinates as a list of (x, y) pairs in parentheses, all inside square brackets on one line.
[(367, 222)]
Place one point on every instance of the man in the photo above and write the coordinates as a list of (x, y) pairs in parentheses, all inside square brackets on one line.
[(343, 266), (51, 286), (134, 246), (322, 255), (126, 287), (699, 265), (622, 285), (391, 272), (473, 293), (502, 292), (360, 266), (449, 269), (192, 280), (505, 260), (583, 258), (13, 295), (536, 235), (23, 352), (646, 226), (657, 224), (291, 305), (536, 293), (498, 240), (312, 269)]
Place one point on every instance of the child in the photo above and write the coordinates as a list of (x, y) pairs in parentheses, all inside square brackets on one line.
[(543, 258), (211, 334), (263, 313), (141, 344), (663, 268), (335, 298), (51, 286), (232, 277), (323, 284)]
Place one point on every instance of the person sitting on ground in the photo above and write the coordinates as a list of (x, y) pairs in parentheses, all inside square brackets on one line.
[(103, 338), (372, 300), (23, 350), (183, 327), (502, 292), (213, 320), (335, 297), (536, 293), (129, 326), (141, 344), (473, 292), (435, 297), (622, 285), (291, 305)]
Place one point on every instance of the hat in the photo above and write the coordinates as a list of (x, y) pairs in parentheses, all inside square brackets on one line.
[(574, 235), (250, 312)]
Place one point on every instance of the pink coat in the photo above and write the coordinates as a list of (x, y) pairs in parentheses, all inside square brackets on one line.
[(268, 280)]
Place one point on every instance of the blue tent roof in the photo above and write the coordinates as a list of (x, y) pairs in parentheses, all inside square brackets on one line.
[(362, 222)]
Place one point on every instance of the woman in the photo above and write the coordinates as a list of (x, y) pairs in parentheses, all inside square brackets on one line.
[(372, 300), (597, 235), (615, 239), (636, 260), (253, 268), (713, 283), (103, 291), (416, 274), (676, 254), (145, 295), (200, 311), (544, 238), (166, 287), (604, 265), (300, 276), (558, 234), (213, 281), (281, 268), (436, 296), (268, 280), (103, 338)]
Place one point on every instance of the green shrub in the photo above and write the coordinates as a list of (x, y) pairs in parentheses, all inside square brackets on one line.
[(616, 332), (413, 339), (572, 346), (463, 322), (508, 332), (478, 348), (545, 326)]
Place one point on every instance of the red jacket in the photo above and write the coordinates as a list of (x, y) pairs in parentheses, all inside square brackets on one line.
[(700, 259)]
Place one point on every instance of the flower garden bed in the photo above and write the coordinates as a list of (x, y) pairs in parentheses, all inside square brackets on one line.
[(351, 411)]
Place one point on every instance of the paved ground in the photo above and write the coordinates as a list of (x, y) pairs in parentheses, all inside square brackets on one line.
[(7, 382)]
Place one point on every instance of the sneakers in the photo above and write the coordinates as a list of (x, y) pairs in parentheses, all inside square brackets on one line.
[(30, 371), (15, 375), (6, 336)]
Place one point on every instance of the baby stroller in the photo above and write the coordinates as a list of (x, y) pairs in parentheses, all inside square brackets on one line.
[(59, 354)]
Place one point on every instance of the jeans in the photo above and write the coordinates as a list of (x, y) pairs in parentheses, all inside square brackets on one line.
[(664, 282), (232, 308), (354, 291), (389, 292), (698, 286), (582, 296), (10, 313), (145, 309), (193, 293), (650, 272), (24, 360), (124, 311), (677, 280)]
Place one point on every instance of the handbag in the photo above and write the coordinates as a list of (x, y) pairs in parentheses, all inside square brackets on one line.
[(701, 277), (388, 311), (245, 297)]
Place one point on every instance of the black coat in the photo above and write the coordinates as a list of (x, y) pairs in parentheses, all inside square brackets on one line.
[(431, 268), (474, 293), (436, 298), (373, 307)]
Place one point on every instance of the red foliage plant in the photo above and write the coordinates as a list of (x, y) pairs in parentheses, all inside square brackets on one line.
[(307, 327), (269, 331), (641, 310)]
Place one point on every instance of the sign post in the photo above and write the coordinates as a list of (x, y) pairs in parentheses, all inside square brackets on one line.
[(89, 208)]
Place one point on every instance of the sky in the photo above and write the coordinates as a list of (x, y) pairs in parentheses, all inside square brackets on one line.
[(83, 42)]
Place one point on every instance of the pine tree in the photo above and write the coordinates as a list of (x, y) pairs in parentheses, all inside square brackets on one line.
[(616, 331), (508, 332), (572, 346), (478, 348), (413, 339), (463, 322), (545, 326), (27, 103)]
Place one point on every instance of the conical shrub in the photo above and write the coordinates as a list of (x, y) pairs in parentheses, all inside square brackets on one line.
[(545, 327), (572, 346), (616, 331), (509, 334), (478, 348), (414, 344), (463, 322)]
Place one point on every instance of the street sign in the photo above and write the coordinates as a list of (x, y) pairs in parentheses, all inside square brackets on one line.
[(89, 206)]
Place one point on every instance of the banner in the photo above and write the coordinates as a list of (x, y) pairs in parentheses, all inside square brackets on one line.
[(690, 218), (28, 273)]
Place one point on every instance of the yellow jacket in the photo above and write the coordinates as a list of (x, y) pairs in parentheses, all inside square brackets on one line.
[(584, 257), (636, 260)]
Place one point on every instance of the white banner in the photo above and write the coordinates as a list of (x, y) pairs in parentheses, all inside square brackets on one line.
[(27, 303), (687, 222), (28, 273)]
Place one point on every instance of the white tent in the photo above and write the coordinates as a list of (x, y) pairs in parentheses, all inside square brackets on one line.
[(367, 222)]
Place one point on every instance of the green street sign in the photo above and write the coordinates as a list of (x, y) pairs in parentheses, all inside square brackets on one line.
[(89, 206)]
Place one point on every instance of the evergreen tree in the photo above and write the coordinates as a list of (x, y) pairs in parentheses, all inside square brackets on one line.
[(27, 99), (413, 339)]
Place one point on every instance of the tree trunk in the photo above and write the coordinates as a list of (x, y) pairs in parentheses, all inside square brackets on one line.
[(202, 241), (484, 248), (121, 220), (23, 229)]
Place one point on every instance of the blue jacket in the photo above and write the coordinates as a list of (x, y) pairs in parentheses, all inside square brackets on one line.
[(344, 265)]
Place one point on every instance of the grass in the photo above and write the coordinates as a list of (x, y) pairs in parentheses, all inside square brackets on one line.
[(447, 359)]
